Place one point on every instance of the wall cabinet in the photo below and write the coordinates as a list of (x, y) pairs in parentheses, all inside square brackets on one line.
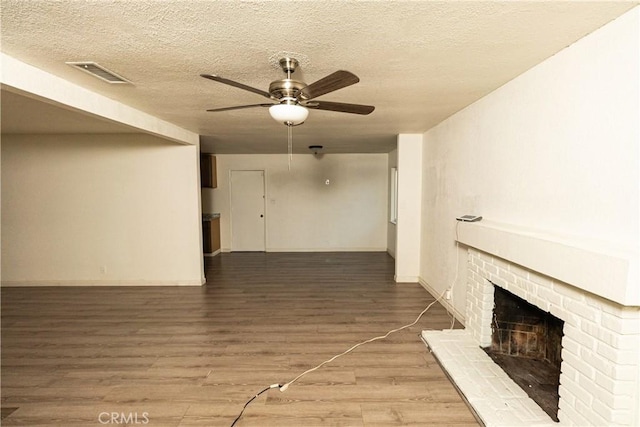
[(208, 172)]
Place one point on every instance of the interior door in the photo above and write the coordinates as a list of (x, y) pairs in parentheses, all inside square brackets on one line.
[(247, 211)]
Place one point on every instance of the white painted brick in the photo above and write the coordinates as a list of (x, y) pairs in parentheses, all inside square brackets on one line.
[(486, 288), (571, 387), (573, 416), (508, 276), (522, 293), (594, 418), (569, 416), (548, 295), (523, 283), (485, 306), (485, 256), (618, 387), (473, 270), (621, 311), (563, 314), (539, 302), (579, 365), (579, 336), (594, 301), (518, 270), (498, 281), (486, 318), (572, 320), (567, 397), (490, 269), (541, 280), (624, 372), (597, 362), (608, 398), (624, 342), (622, 326), (622, 357), (500, 263), (570, 345), (569, 291), (477, 277), (622, 417), (582, 310)]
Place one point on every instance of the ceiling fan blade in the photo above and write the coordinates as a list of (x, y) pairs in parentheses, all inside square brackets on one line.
[(235, 84), (341, 107), (238, 107), (332, 82)]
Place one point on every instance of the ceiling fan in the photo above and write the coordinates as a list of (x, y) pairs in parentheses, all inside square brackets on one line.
[(291, 99)]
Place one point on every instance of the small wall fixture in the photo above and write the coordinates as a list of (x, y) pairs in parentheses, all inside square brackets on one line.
[(315, 148)]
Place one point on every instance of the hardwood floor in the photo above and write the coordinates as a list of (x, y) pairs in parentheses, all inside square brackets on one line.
[(191, 356)]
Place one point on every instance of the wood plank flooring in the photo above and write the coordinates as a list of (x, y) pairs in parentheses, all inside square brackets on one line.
[(191, 356)]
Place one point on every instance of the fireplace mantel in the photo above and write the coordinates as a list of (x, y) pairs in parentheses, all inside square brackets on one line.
[(596, 267)]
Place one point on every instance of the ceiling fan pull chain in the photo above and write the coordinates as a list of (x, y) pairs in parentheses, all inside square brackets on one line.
[(290, 143)]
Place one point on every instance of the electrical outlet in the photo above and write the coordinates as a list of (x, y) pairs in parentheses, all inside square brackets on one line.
[(447, 294), (103, 269)]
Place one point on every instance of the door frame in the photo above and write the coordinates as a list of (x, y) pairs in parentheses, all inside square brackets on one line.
[(264, 201)]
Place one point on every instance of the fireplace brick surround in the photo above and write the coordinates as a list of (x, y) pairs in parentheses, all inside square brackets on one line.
[(601, 343)]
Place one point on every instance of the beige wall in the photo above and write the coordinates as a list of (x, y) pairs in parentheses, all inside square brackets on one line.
[(99, 209), (391, 228), (408, 229), (304, 214), (555, 150)]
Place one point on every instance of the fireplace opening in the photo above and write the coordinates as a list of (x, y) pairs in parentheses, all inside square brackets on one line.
[(527, 345)]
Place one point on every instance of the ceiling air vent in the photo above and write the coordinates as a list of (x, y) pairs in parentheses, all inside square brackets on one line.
[(100, 72)]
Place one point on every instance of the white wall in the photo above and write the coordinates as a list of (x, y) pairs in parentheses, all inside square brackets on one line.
[(391, 228), (304, 214), (100, 209), (36, 83), (556, 150), (408, 229)]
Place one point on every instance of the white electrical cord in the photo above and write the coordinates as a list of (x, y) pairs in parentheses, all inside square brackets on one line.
[(286, 385), (453, 321)]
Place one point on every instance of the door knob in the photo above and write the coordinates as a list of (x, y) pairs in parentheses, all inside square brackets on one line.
[(261, 216)]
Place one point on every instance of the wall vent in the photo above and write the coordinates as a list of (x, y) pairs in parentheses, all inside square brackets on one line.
[(100, 72)]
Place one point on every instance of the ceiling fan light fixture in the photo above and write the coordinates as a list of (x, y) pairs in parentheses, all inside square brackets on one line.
[(288, 113)]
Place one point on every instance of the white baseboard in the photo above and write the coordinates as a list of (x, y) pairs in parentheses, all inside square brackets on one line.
[(70, 283), (326, 250), (227, 250), (212, 254), (445, 302), (406, 279)]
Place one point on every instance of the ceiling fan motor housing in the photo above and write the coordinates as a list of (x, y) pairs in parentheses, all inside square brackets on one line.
[(285, 88)]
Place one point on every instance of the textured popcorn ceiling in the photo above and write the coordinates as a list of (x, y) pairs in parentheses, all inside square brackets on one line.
[(418, 61)]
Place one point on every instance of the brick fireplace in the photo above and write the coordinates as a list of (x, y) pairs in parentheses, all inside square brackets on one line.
[(600, 354), (526, 342)]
